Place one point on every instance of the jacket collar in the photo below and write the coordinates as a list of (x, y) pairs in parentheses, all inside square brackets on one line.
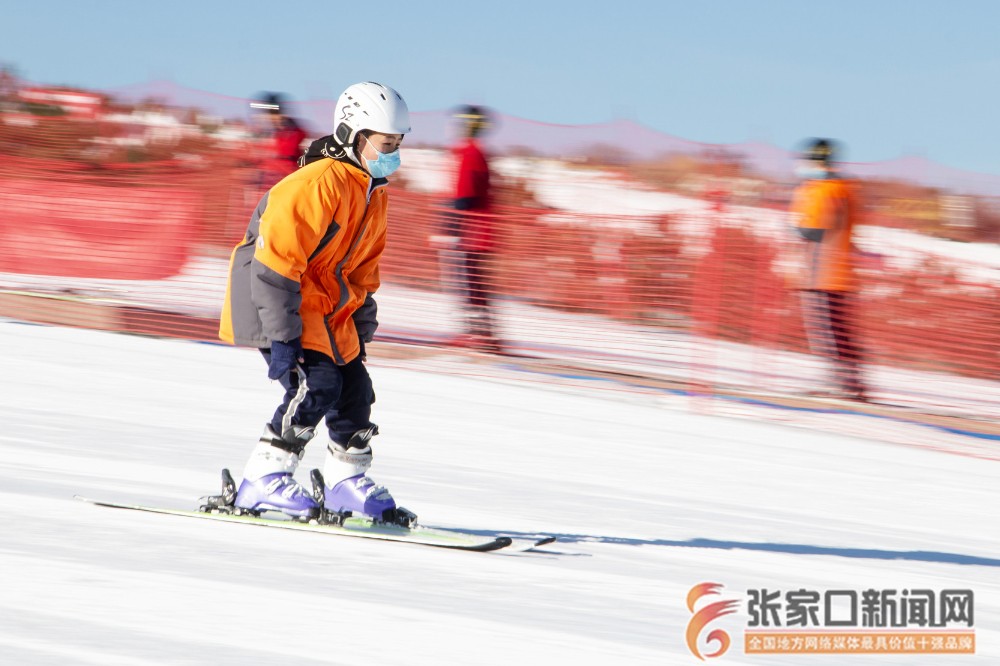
[(328, 148)]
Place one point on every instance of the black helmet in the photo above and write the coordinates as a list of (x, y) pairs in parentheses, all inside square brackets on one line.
[(268, 102), (820, 150), (476, 119)]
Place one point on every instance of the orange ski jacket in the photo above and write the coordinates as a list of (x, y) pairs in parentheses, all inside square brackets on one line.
[(309, 262), (826, 212)]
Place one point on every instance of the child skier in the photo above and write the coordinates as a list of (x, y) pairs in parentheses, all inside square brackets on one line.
[(301, 287)]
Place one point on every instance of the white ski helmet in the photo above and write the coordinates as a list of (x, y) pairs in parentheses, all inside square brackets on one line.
[(369, 106)]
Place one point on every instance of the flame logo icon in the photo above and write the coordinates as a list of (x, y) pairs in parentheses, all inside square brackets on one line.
[(708, 613)]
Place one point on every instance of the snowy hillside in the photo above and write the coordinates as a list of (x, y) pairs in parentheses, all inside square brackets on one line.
[(564, 187)]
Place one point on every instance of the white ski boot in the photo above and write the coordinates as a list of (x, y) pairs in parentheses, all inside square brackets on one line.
[(268, 481), (347, 488)]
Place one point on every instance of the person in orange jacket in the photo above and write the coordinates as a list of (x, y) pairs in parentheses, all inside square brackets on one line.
[(826, 209), (300, 289)]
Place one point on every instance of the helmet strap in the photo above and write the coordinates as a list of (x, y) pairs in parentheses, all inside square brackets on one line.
[(342, 133)]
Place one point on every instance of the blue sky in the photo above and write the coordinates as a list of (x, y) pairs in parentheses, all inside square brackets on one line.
[(887, 77)]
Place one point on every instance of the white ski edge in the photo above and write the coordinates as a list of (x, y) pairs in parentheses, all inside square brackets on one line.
[(427, 536), (524, 545)]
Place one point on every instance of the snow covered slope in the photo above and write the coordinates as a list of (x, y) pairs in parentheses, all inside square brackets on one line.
[(648, 500)]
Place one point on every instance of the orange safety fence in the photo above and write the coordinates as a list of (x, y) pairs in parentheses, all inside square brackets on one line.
[(697, 295)]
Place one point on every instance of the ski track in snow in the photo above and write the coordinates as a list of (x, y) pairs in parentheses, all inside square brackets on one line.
[(647, 500)]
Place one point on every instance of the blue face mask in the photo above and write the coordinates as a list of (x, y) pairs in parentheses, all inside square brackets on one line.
[(807, 172), (383, 165)]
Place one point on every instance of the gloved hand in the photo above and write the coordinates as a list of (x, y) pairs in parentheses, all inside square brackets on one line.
[(284, 357), (366, 319)]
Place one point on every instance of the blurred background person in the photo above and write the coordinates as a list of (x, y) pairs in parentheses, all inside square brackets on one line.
[(470, 228), (826, 210), (278, 138)]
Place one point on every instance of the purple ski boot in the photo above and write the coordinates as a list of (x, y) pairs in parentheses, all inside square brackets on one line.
[(348, 489), (359, 494), (268, 481)]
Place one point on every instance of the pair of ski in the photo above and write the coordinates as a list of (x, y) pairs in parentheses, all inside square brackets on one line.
[(218, 509)]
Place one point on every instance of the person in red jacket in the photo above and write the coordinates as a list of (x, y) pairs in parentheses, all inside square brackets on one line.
[(279, 139), (471, 225)]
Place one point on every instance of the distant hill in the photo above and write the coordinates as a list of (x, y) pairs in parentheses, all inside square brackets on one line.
[(434, 128)]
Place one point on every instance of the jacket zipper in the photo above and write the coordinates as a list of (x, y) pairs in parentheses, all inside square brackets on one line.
[(338, 271)]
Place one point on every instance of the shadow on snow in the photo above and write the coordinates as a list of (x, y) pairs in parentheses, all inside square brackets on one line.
[(786, 548)]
